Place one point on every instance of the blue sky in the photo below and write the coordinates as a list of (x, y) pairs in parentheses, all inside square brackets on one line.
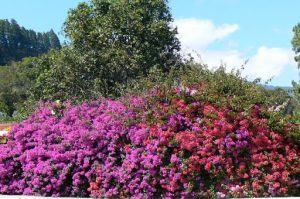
[(39, 15), (218, 31)]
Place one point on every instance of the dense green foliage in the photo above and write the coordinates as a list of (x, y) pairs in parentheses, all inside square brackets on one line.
[(216, 86), (296, 42), (132, 35), (112, 42), (296, 48), (16, 81), (62, 75), (17, 78), (17, 42)]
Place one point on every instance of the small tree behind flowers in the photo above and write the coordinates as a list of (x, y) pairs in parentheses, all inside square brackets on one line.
[(166, 144)]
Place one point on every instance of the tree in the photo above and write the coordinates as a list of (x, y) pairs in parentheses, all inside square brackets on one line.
[(59, 76), (16, 42), (119, 40), (53, 39), (296, 42), (296, 48), (15, 83)]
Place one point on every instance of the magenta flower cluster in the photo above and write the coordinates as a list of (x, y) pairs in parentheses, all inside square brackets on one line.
[(53, 153), (155, 146)]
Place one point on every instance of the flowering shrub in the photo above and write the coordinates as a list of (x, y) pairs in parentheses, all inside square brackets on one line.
[(52, 152), (152, 146)]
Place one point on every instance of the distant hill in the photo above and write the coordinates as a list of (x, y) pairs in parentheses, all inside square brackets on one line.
[(270, 87), (17, 42), (286, 88)]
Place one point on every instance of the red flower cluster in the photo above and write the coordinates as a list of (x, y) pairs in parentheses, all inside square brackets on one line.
[(210, 151)]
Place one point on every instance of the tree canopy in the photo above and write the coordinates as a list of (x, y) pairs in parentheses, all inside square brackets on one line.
[(296, 48), (111, 43), (138, 33), (17, 42)]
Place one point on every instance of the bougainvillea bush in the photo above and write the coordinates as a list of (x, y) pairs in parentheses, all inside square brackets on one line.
[(54, 152), (153, 145)]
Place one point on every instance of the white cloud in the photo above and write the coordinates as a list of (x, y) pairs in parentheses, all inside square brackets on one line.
[(214, 58), (231, 58), (269, 62), (265, 63), (198, 34)]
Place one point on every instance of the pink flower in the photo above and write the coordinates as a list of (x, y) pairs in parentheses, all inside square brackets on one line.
[(276, 185)]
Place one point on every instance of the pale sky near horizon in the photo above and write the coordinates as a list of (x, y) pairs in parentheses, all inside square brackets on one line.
[(219, 31)]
